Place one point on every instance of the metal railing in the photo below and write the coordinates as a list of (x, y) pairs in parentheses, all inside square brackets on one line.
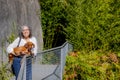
[(47, 65)]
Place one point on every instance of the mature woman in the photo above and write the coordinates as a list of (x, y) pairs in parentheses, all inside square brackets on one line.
[(26, 36)]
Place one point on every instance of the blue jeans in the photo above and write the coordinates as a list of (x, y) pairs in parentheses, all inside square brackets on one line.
[(29, 68), (16, 66)]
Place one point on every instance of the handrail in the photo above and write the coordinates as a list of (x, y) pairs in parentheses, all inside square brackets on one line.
[(58, 53), (53, 48)]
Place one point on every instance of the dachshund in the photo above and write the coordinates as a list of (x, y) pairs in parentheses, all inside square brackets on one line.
[(29, 46), (26, 49)]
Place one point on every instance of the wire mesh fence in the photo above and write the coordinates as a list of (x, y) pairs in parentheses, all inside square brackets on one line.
[(47, 65)]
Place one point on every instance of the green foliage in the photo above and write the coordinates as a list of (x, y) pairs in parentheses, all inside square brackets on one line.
[(5, 74), (91, 66), (11, 38), (87, 24), (50, 58), (13, 35), (5, 68), (94, 24), (53, 17)]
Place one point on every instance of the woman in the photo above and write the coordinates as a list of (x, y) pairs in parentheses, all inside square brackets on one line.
[(26, 36)]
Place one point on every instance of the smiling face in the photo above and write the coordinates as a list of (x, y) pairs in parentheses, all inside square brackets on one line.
[(25, 31)]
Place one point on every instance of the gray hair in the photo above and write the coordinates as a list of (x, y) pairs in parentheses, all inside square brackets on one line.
[(21, 28)]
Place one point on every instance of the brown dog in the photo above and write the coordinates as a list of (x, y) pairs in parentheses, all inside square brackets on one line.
[(29, 46), (26, 49)]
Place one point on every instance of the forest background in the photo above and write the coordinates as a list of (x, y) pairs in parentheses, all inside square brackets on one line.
[(93, 28)]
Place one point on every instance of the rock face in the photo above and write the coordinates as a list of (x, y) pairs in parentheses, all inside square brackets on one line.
[(20, 12)]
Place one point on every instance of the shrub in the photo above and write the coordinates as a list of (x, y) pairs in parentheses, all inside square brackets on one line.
[(92, 66), (94, 24)]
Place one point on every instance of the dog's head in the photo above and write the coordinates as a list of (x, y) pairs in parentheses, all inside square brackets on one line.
[(29, 45)]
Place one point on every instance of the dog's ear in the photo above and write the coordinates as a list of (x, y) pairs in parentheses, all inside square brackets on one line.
[(33, 45), (26, 45)]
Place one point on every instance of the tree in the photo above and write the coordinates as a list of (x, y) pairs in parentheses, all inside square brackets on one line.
[(94, 25), (54, 21)]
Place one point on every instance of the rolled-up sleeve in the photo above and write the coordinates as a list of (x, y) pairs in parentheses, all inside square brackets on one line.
[(12, 45), (34, 40)]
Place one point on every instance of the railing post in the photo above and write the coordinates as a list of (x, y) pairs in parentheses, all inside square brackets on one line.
[(29, 68), (64, 51), (22, 72)]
